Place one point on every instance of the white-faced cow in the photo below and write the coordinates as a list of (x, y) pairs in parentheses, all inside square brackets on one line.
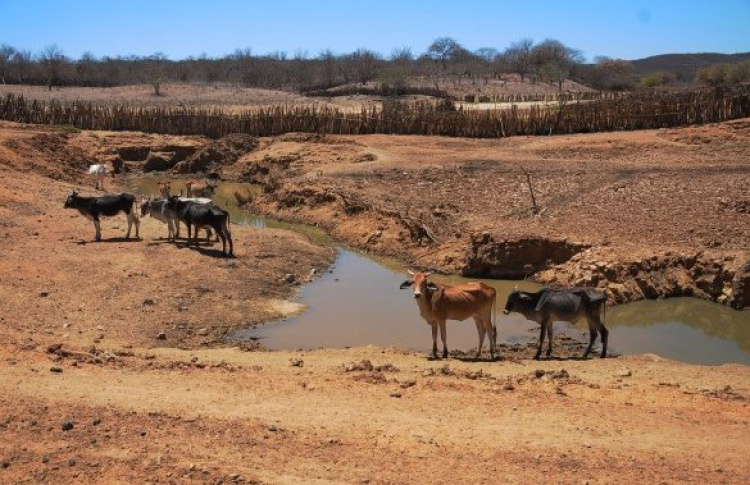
[(98, 172), (203, 216), (438, 303), (549, 305), (93, 208), (157, 208)]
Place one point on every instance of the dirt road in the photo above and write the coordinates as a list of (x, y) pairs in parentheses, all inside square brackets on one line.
[(90, 392)]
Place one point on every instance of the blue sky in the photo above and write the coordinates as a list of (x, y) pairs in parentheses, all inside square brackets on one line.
[(180, 28)]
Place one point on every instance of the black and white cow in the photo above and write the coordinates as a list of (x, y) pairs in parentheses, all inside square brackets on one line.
[(157, 208), (569, 305), (202, 216), (93, 208)]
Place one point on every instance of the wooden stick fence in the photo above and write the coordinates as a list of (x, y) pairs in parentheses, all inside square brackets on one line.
[(642, 110)]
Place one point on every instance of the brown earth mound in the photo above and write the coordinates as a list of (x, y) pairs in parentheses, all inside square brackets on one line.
[(215, 156)]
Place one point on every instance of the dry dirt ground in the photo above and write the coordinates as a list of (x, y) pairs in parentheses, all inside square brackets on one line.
[(89, 392)]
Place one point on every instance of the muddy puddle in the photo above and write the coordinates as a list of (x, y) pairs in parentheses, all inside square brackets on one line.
[(358, 302)]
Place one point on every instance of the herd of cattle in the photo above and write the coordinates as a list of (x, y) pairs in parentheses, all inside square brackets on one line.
[(195, 211), (437, 303)]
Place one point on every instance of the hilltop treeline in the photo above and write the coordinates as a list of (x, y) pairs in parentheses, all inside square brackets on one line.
[(547, 61)]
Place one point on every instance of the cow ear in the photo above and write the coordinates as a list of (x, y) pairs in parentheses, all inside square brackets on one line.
[(432, 286), (406, 284)]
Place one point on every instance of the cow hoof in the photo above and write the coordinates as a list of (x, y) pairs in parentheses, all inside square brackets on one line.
[(538, 357), (603, 356)]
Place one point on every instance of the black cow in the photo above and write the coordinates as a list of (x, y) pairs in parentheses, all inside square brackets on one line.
[(203, 216), (549, 305), (106, 205)]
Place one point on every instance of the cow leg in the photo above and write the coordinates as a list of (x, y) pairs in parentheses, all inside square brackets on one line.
[(549, 337), (228, 235), (189, 231), (542, 331), (444, 338), (480, 334), (177, 227), (434, 339), (98, 229), (604, 333), (223, 242), (592, 336), (492, 331)]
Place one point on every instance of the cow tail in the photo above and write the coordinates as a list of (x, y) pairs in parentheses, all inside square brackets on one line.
[(494, 322)]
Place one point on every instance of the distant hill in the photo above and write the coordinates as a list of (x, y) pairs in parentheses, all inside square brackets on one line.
[(685, 65)]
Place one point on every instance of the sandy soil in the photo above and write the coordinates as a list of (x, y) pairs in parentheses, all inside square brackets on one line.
[(90, 393)]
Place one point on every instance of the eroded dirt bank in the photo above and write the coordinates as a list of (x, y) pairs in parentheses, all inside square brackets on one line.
[(89, 392), (642, 215)]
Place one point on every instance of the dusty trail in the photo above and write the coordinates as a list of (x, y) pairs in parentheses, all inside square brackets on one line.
[(81, 344)]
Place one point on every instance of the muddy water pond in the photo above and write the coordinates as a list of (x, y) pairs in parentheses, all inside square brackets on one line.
[(358, 302)]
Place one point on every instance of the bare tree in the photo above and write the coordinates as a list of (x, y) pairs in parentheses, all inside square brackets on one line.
[(85, 68), (364, 63), (156, 72), (443, 49), (21, 64), (554, 61), (328, 59), (518, 56), (52, 61), (6, 54)]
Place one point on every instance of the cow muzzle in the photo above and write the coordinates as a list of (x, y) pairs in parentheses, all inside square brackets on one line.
[(417, 294)]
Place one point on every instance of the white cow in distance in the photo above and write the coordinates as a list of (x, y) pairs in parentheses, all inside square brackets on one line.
[(98, 171)]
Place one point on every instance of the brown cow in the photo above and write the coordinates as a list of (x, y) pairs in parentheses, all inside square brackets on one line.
[(164, 189), (198, 189), (438, 303)]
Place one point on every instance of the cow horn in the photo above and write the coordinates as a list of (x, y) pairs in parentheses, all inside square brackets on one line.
[(515, 288), (427, 274), (410, 272)]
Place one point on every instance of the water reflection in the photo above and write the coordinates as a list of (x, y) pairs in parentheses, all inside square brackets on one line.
[(686, 329), (359, 303)]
